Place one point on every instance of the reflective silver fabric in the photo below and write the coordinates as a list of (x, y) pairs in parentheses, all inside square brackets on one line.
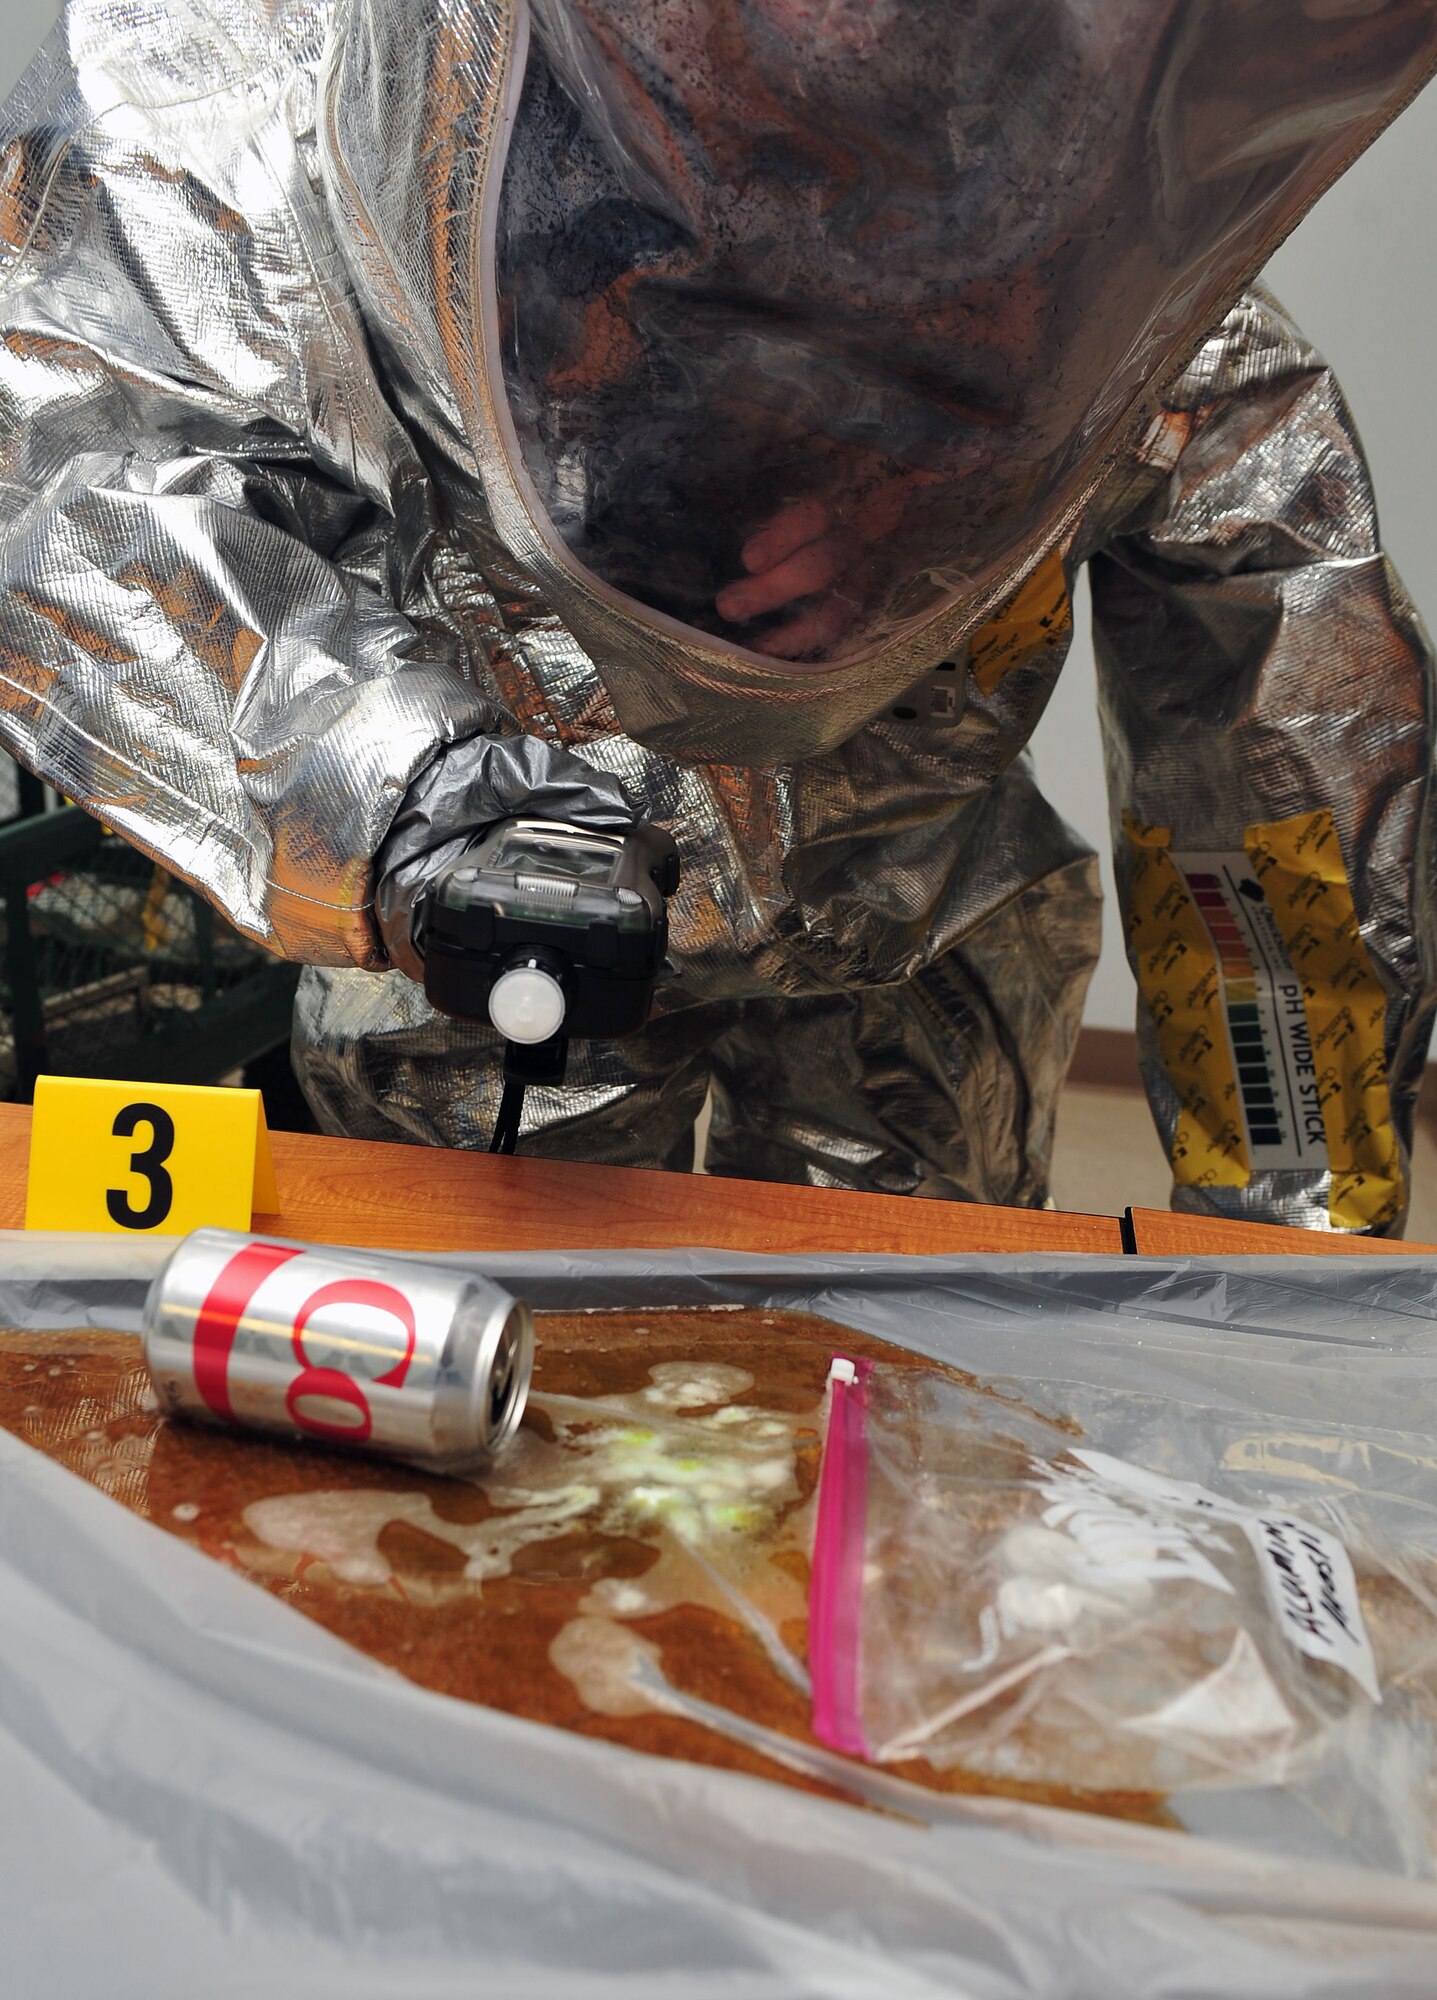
[(1260, 663), (297, 586), (941, 1083)]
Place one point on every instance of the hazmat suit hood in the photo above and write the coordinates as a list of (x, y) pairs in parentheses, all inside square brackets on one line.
[(786, 335)]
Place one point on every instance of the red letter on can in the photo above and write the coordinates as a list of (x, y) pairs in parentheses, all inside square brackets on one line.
[(221, 1314), (332, 1382)]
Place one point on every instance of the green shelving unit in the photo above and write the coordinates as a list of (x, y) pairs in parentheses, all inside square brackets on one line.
[(110, 967)]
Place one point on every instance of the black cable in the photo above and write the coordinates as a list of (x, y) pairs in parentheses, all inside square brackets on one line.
[(511, 1111), (525, 1063)]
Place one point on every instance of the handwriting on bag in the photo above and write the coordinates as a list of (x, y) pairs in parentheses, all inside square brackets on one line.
[(1306, 1572)]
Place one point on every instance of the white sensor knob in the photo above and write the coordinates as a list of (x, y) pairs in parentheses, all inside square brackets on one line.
[(526, 1004)]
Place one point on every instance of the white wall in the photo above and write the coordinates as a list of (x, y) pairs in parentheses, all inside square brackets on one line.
[(1360, 276), (24, 24)]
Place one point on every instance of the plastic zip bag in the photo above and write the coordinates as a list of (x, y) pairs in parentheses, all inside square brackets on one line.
[(992, 1593)]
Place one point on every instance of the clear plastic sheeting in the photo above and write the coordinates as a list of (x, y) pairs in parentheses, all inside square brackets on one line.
[(208, 1793)]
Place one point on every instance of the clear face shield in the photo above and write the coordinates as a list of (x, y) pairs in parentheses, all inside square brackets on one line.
[(817, 319)]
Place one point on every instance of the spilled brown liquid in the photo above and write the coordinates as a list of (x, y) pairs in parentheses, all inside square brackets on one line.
[(643, 1546)]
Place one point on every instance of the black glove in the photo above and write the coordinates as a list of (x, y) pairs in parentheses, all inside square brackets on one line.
[(458, 796)]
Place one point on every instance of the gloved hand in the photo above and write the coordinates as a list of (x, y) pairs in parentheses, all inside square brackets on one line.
[(463, 791)]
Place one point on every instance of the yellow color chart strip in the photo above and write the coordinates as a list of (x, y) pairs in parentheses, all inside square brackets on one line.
[(1299, 864), (1181, 986)]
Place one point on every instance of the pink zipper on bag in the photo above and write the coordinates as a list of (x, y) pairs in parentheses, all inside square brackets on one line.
[(835, 1595)]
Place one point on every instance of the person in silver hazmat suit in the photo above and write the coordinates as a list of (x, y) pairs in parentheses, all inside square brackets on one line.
[(417, 411)]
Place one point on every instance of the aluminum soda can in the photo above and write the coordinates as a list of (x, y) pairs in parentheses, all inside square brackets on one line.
[(344, 1347)]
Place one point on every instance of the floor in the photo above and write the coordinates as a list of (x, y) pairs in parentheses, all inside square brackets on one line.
[(1107, 1158)]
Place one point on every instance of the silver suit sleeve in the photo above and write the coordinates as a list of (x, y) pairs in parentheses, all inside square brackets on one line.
[(1267, 692), (215, 625)]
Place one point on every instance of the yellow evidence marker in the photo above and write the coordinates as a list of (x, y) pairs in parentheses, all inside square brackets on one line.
[(147, 1159)]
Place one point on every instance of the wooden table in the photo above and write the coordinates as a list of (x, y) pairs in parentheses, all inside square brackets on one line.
[(420, 1198), (1156, 1232)]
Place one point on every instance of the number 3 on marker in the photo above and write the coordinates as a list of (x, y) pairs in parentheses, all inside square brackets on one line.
[(149, 1163)]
